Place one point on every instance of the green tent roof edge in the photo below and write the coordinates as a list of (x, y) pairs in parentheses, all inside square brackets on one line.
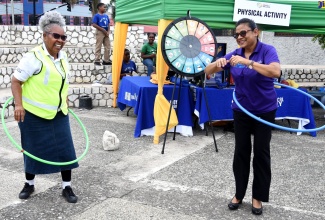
[(306, 17)]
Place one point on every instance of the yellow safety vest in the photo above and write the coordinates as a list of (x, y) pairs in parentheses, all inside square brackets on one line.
[(45, 93)]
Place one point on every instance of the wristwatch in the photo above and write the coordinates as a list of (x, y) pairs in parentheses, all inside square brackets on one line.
[(250, 65)]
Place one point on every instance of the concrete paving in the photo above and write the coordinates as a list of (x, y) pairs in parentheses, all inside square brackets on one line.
[(190, 181)]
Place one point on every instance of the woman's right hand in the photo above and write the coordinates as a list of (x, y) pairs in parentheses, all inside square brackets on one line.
[(216, 66), (19, 113), (221, 62)]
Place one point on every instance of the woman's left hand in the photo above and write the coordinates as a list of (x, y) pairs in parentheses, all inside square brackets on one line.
[(234, 60)]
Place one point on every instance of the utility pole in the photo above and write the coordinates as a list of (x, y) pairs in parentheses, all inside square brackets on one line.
[(12, 12), (7, 20), (34, 10)]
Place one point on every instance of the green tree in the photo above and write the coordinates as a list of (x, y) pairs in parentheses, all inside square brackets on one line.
[(72, 2), (94, 4), (113, 4), (321, 40)]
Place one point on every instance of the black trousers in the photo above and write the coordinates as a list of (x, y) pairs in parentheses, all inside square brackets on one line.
[(245, 127)]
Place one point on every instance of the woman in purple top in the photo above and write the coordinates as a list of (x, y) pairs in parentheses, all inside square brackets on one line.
[(253, 66)]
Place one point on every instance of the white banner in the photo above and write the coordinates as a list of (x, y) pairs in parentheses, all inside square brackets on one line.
[(263, 12)]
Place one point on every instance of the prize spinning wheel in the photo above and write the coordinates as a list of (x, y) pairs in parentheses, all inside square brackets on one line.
[(188, 46)]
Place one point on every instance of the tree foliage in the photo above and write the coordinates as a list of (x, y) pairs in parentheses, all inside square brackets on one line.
[(94, 4), (113, 4), (321, 40)]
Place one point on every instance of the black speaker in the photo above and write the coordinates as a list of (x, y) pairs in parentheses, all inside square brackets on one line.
[(85, 102)]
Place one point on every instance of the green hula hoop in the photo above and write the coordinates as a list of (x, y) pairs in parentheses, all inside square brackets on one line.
[(37, 158)]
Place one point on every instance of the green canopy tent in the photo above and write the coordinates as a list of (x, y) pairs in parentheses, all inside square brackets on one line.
[(305, 17)]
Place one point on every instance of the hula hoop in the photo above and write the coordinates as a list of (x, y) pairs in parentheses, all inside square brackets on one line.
[(37, 158), (278, 126)]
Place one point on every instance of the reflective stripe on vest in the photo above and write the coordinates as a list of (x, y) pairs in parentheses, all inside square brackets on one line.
[(41, 92), (44, 106), (47, 68)]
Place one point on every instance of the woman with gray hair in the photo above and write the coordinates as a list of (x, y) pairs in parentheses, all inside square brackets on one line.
[(40, 89)]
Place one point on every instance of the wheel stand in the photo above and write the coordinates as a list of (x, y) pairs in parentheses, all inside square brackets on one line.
[(170, 109)]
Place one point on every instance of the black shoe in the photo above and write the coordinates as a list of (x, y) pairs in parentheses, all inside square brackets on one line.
[(97, 63), (107, 63), (257, 211), (26, 191), (234, 206), (68, 194)]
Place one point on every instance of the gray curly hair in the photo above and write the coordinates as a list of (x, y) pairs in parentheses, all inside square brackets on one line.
[(49, 19)]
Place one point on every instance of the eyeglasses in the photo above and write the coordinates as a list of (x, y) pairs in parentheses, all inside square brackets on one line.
[(58, 36), (242, 34)]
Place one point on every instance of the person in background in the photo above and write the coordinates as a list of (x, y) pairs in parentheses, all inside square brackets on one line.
[(40, 89), (127, 69), (128, 66), (101, 23), (253, 66), (148, 53)]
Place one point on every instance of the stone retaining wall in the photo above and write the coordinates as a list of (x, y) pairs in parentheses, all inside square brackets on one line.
[(9, 109), (89, 73), (78, 36), (80, 73), (101, 95), (17, 40), (12, 54), (304, 74)]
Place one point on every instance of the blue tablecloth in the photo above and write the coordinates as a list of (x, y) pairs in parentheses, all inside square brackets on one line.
[(139, 93), (291, 105)]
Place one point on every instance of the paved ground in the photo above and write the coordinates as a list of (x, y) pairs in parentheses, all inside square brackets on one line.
[(189, 181)]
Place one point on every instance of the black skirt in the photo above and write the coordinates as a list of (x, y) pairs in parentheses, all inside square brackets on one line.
[(49, 140)]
